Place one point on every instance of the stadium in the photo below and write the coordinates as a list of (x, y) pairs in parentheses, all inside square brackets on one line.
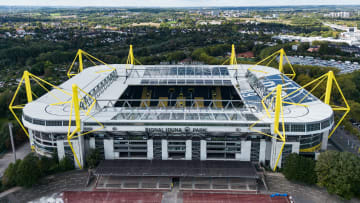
[(237, 113)]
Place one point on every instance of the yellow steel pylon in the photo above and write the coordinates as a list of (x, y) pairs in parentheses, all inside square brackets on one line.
[(79, 55), (330, 81), (233, 56), (131, 60), (25, 79), (281, 54), (278, 117), (75, 107), (232, 59)]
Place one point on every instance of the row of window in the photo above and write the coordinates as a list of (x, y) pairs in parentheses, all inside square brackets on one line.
[(47, 122), (308, 127), (185, 82), (96, 91)]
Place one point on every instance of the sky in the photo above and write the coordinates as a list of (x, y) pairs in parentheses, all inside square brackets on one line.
[(175, 3)]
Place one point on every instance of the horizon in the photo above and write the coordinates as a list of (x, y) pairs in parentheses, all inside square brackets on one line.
[(175, 3)]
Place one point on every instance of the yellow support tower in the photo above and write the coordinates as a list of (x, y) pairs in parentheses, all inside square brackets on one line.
[(28, 86), (279, 112), (26, 79), (281, 54), (278, 117), (233, 56), (232, 59), (131, 60), (75, 107), (79, 55), (330, 81)]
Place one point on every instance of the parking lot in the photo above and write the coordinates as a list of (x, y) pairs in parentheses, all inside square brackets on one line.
[(344, 67)]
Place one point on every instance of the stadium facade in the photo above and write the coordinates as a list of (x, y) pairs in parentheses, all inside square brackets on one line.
[(178, 112)]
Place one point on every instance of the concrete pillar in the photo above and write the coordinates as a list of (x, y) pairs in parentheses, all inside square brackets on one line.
[(164, 149), (295, 147), (324, 141), (60, 149), (150, 149), (245, 150), (78, 149), (275, 150), (268, 150), (203, 155), (109, 148), (31, 137), (262, 152), (92, 143), (188, 152), (81, 144)]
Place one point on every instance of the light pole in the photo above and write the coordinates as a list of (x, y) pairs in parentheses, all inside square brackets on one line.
[(12, 141)]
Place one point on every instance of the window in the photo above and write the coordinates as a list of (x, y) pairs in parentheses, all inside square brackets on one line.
[(39, 122), (313, 127), (287, 127), (297, 128), (28, 119), (53, 123), (325, 124)]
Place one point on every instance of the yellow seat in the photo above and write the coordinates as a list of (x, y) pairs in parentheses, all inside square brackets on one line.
[(199, 102), (163, 102), (146, 95), (180, 101), (216, 95)]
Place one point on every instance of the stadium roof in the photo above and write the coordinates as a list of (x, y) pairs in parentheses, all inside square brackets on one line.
[(97, 80)]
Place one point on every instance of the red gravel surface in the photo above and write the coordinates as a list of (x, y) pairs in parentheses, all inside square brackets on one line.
[(191, 197), (111, 197)]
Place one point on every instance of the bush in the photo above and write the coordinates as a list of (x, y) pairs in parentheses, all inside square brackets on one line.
[(66, 164), (47, 166), (339, 172), (9, 177), (28, 172), (299, 168), (93, 158)]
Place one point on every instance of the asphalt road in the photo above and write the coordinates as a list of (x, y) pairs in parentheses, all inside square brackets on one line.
[(345, 141), (21, 152)]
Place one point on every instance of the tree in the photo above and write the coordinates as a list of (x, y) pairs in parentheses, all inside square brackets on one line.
[(9, 178), (47, 165), (339, 172), (93, 158), (28, 172), (66, 164), (299, 168)]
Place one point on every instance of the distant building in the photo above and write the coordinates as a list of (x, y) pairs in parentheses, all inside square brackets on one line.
[(294, 47), (338, 15)]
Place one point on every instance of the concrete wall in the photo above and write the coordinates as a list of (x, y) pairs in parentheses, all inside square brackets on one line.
[(188, 153), (262, 152), (109, 149), (275, 150), (203, 154), (245, 151), (79, 150), (324, 141), (92, 142), (60, 149), (164, 149), (150, 149), (295, 148)]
